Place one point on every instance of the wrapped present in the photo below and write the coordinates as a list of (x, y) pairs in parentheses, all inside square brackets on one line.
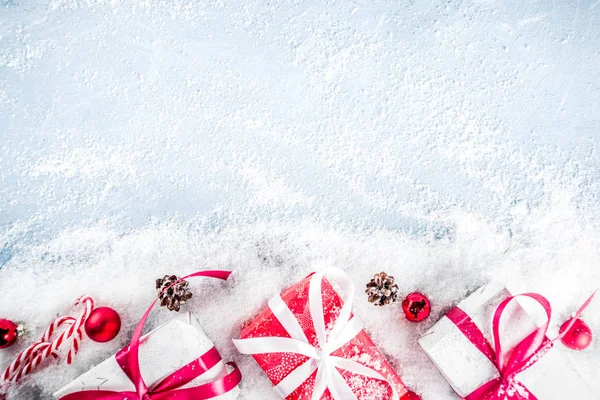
[(490, 347), (312, 347), (176, 361)]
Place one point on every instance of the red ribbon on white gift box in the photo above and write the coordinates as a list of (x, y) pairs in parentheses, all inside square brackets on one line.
[(169, 387), (346, 327), (524, 355)]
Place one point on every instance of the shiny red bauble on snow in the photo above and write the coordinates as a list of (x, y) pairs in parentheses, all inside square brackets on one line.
[(416, 307), (103, 324), (8, 333), (578, 337)]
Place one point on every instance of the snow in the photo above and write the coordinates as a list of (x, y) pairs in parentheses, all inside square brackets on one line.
[(446, 142)]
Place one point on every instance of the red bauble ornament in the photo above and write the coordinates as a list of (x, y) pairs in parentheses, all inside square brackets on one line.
[(416, 307), (410, 396), (8, 333), (103, 324), (578, 337)]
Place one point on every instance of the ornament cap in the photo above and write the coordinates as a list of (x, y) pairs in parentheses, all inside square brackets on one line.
[(21, 330)]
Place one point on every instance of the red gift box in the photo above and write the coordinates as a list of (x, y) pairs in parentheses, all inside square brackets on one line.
[(361, 349)]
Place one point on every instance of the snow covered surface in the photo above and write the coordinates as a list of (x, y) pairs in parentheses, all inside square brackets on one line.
[(444, 142)]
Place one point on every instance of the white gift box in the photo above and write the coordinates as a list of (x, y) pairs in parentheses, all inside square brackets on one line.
[(466, 368), (162, 351)]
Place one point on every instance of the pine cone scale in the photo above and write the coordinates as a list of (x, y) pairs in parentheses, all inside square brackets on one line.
[(172, 294), (382, 290)]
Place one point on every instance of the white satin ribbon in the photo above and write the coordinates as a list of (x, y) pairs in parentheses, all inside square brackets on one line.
[(344, 329)]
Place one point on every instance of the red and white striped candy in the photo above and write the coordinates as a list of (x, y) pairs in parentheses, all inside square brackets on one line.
[(35, 354)]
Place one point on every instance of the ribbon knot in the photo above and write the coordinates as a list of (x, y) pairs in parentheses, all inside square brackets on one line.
[(324, 351), (321, 358), (509, 387)]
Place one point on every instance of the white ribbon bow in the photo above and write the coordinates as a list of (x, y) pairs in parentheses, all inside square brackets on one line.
[(344, 330)]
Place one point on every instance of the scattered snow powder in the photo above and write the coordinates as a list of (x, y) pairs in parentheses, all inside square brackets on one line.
[(445, 143)]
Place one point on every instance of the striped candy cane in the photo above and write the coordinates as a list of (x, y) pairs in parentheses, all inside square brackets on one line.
[(35, 354)]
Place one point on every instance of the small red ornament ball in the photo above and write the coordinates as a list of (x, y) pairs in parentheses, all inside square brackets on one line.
[(416, 307), (8, 333), (103, 324), (578, 337), (410, 396)]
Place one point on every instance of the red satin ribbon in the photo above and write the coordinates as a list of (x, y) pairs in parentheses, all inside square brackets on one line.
[(168, 388), (509, 362)]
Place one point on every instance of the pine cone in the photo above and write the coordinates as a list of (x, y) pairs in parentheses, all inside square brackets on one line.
[(382, 290), (176, 294)]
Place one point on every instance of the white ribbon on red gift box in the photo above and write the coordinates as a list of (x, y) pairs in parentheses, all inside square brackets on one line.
[(346, 328)]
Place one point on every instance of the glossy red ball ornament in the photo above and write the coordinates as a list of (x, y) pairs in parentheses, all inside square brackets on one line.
[(416, 307), (578, 337), (410, 396), (103, 324), (8, 333)]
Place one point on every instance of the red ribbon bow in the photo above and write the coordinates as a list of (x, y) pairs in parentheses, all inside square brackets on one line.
[(169, 387), (509, 363)]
